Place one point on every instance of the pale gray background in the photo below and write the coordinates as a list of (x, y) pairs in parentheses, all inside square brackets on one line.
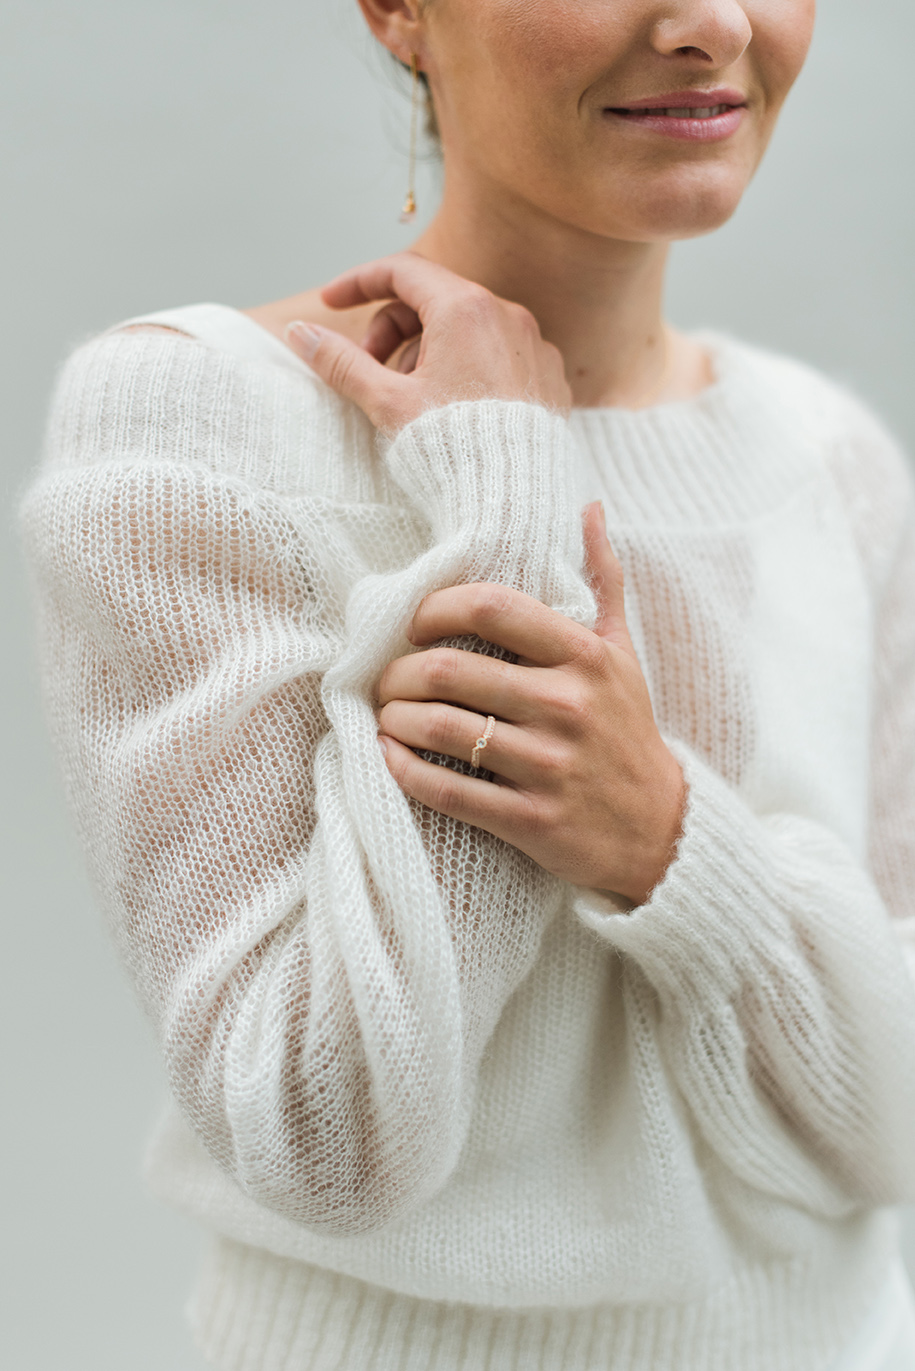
[(159, 152)]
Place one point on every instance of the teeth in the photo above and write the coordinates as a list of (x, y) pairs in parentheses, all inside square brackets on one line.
[(694, 113), (685, 113)]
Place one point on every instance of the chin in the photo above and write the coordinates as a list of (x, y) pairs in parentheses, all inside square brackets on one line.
[(688, 205), (701, 214)]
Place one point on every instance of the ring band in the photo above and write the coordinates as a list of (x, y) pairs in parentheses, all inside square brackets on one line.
[(482, 741)]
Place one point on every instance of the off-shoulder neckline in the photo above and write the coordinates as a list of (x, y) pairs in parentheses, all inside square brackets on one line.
[(232, 330)]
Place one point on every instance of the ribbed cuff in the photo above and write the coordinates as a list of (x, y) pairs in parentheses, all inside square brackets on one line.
[(706, 917), (482, 463), (495, 480)]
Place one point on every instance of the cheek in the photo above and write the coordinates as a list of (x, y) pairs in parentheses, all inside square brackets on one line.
[(523, 64), (782, 30), (546, 38)]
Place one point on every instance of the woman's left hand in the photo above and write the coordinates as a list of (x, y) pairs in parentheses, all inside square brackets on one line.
[(584, 783)]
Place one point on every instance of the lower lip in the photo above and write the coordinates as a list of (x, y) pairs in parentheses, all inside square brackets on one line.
[(711, 130)]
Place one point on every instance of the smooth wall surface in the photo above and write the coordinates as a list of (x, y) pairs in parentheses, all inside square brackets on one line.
[(161, 153)]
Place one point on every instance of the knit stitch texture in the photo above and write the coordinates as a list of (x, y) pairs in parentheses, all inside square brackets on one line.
[(419, 1083)]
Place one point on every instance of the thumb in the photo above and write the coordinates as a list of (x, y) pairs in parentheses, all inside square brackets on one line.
[(605, 573), (347, 368)]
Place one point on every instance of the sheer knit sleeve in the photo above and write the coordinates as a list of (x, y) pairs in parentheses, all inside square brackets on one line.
[(784, 967), (324, 960)]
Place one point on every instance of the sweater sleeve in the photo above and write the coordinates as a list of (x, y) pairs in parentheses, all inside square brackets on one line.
[(323, 958), (784, 968)]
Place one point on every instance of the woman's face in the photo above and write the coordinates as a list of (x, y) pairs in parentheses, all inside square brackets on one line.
[(535, 101)]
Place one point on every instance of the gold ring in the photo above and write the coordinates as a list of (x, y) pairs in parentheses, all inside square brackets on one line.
[(482, 741)]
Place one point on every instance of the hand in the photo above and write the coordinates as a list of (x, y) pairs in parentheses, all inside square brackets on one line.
[(584, 783), (467, 344)]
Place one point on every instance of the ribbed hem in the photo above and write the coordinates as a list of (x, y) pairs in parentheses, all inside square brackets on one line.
[(253, 1311)]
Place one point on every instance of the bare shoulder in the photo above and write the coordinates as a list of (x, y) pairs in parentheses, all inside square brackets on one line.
[(311, 309), (151, 328)]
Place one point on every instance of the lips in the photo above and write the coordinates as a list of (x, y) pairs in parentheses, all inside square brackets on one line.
[(679, 100), (692, 115)]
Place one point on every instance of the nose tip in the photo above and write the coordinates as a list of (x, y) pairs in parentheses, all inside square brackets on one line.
[(717, 31)]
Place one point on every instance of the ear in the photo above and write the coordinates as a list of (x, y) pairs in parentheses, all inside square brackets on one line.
[(397, 24)]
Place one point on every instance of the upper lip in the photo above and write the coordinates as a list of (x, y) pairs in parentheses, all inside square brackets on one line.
[(686, 99)]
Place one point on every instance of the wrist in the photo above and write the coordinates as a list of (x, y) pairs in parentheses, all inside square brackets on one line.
[(668, 807)]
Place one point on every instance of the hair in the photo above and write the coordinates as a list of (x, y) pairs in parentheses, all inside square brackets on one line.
[(431, 123)]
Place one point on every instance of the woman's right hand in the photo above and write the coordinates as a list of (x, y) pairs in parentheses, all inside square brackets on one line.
[(465, 343)]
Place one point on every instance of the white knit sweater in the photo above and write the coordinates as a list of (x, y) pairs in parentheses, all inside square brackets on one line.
[(447, 1110)]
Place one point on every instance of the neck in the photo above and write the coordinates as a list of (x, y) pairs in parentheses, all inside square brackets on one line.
[(597, 300)]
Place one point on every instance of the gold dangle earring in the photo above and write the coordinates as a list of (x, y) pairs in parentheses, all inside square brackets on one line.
[(408, 213)]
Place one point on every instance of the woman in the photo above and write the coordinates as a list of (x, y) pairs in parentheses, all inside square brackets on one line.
[(573, 1025)]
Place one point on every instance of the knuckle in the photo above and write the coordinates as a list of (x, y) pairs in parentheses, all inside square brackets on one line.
[(443, 725), (534, 817), (527, 320), (476, 305), (589, 654), (552, 758), (339, 370), (440, 667), (473, 291), (490, 602), (445, 793), (571, 706)]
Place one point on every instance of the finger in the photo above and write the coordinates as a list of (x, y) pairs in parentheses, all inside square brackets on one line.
[(403, 276), (456, 732), (346, 368), (409, 358), (503, 616), (468, 679), (499, 809), (606, 575), (390, 329)]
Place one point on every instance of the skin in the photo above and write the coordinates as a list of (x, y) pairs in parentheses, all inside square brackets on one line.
[(540, 278)]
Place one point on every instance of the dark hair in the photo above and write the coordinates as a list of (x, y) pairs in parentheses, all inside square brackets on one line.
[(431, 123)]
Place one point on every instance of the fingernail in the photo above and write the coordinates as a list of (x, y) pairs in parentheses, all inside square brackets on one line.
[(384, 747), (603, 514), (306, 336)]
